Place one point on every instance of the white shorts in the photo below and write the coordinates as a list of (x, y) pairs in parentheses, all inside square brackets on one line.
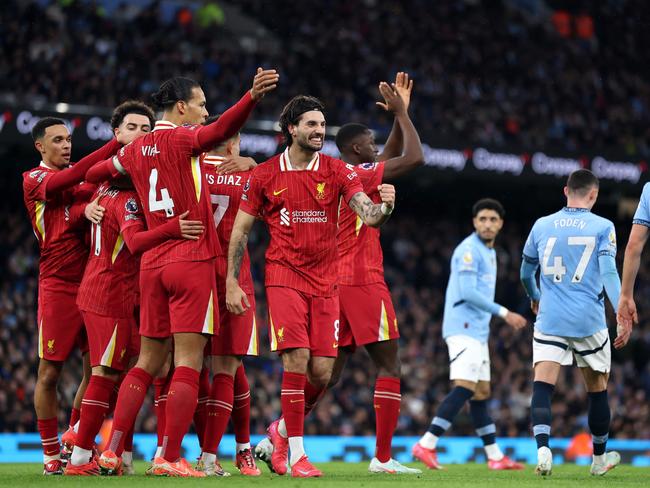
[(594, 351), (469, 359)]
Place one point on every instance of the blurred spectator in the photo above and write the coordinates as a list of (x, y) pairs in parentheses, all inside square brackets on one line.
[(485, 73)]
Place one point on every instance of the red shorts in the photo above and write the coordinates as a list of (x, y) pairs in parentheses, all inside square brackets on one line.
[(367, 315), (238, 334), (178, 297), (60, 326), (297, 319), (109, 339)]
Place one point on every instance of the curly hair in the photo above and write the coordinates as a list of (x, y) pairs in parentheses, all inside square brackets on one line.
[(293, 110)]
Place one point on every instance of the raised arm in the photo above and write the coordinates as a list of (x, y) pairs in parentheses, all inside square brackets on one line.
[(235, 117), (413, 156), (76, 173), (395, 142), (236, 300), (374, 214)]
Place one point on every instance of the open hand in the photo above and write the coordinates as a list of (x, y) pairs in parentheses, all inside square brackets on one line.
[(264, 82)]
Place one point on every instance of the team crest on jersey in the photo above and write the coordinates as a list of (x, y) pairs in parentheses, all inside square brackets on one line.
[(280, 334), (368, 166), (131, 206), (122, 352), (50, 346), (467, 258), (38, 175), (320, 190)]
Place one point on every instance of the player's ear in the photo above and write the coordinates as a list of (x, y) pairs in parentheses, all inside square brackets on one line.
[(566, 191), (180, 106), (38, 144)]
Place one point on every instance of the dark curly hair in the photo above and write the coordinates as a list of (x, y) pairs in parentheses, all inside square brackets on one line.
[(132, 107), (293, 110)]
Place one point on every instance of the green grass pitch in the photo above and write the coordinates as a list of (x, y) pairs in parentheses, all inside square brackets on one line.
[(345, 474)]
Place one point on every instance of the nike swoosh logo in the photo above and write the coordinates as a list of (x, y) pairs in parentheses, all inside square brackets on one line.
[(296, 401), (458, 355), (335, 345), (277, 192)]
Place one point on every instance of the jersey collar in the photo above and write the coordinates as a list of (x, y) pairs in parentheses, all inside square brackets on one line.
[(285, 162), (213, 160), (163, 125), (576, 209)]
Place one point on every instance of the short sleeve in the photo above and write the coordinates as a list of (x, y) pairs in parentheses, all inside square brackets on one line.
[(607, 241), (348, 179), (642, 214), (252, 197), (34, 183), (130, 213), (530, 248), (468, 259), (371, 176)]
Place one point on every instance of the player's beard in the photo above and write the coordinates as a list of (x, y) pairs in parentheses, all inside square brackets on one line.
[(309, 146)]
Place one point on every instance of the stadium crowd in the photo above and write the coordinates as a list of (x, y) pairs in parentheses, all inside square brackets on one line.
[(417, 264), (486, 72)]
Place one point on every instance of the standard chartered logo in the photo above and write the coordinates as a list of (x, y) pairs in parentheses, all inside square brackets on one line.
[(284, 217), (302, 217)]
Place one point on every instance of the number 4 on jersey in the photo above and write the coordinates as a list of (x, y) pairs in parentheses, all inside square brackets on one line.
[(558, 270), (165, 203)]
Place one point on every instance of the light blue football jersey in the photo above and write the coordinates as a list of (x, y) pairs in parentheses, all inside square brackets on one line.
[(642, 214), (471, 256), (566, 245)]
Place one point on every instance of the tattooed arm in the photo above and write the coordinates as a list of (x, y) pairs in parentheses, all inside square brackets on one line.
[(236, 299), (374, 214)]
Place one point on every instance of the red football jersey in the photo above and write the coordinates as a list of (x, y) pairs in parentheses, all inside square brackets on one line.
[(361, 260), (168, 178), (225, 195), (300, 209), (110, 282), (62, 245)]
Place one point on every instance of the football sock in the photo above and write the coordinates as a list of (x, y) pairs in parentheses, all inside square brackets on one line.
[(292, 399), (599, 418), (181, 404), (49, 431), (219, 409), (129, 401), (541, 412), (312, 395), (241, 410), (447, 410), (485, 428), (387, 401), (201, 412), (128, 441), (74, 416), (161, 388), (93, 410)]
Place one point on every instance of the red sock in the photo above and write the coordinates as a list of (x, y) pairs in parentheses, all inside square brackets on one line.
[(93, 410), (387, 403), (75, 415), (128, 440), (201, 412), (312, 396), (113, 400), (181, 403), (161, 388), (132, 394), (292, 399), (241, 407), (219, 409), (49, 430)]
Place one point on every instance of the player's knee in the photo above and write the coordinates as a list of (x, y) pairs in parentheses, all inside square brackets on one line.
[(320, 379), (48, 375), (104, 372)]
